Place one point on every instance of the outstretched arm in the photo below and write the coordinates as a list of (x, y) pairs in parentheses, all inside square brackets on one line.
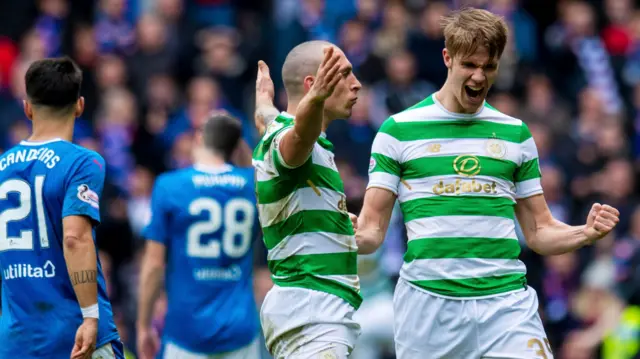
[(374, 219), (296, 144), (265, 93), (547, 236)]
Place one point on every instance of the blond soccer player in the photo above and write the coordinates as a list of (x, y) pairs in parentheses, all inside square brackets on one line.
[(463, 172)]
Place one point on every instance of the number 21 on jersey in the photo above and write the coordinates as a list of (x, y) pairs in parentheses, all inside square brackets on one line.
[(219, 216), (25, 193)]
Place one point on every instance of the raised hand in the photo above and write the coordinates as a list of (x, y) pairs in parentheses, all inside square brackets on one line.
[(328, 75), (265, 91), (600, 221), (265, 111)]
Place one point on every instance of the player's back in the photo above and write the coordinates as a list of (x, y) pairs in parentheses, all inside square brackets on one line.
[(207, 218), (40, 184)]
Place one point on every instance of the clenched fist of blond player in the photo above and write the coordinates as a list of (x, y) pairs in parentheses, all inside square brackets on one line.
[(600, 221)]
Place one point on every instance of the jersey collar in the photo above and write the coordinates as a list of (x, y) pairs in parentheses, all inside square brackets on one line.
[(212, 169), (32, 143)]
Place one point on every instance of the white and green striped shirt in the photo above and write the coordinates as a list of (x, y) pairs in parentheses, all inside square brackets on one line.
[(304, 218), (457, 178)]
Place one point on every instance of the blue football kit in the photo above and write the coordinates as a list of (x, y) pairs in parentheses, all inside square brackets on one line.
[(40, 184), (207, 219)]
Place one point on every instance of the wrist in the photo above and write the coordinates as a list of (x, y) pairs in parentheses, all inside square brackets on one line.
[(587, 236), (91, 312)]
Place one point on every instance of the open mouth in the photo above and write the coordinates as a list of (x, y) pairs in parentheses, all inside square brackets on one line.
[(474, 93)]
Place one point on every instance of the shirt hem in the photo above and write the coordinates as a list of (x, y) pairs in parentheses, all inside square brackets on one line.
[(435, 294)]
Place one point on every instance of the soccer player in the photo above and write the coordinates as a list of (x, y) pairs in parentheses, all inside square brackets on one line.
[(54, 298), (307, 230), (204, 221), (463, 172)]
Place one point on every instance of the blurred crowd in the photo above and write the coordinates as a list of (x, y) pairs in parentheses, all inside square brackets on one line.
[(154, 69)]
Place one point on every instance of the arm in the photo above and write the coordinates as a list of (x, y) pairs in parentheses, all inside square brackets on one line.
[(153, 268), (80, 213), (544, 234), (547, 236), (151, 275), (382, 189), (374, 219), (80, 256), (296, 144)]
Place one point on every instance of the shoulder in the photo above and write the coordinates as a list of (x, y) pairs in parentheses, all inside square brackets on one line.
[(277, 126), (173, 178), (83, 156), (247, 172), (77, 159), (280, 123), (492, 114)]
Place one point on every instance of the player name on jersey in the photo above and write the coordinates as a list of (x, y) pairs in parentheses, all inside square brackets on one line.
[(219, 180), (43, 154)]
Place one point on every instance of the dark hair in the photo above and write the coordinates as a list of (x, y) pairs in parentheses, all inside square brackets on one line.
[(221, 134), (53, 83)]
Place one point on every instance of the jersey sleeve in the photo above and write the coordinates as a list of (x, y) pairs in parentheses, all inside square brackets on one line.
[(275, 148), (527, 176), (384, 164), (157, 229), (84, 188)]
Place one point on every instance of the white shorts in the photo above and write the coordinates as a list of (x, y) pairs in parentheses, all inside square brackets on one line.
[(107, 351), (506, 326), (251, 351), (301, 323)]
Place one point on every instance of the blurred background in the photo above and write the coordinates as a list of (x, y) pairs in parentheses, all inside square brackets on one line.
[(153, 69)]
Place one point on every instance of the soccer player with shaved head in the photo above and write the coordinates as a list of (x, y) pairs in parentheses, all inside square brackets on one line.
[(302, 208)]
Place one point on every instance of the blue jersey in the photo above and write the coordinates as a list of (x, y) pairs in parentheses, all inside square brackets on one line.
[(207, 219), (40, 184)]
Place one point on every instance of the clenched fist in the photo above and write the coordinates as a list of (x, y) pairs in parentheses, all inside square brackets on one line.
[(600, 221)]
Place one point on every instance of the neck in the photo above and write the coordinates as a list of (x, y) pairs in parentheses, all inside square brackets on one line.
[(292, 108), (204, 157), (45, 129)]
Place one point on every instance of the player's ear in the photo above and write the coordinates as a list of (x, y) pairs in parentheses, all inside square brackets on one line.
[(448, 60), (79, 107), (307, 83), (28, 110)]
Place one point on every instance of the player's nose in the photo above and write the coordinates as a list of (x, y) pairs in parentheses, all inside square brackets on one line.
[(356, 85), (478, 76)]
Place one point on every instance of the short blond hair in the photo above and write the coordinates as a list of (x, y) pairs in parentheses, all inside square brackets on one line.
[(467, 29)]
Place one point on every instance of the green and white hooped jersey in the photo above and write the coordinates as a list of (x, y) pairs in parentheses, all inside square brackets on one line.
[(457, 178), (304, 218)]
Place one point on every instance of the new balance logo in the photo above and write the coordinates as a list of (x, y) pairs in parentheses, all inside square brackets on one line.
[(434, 147), (17, 271)]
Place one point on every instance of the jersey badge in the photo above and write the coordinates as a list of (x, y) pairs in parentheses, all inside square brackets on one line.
[(85, 194), (496, 148), (372, 164)]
